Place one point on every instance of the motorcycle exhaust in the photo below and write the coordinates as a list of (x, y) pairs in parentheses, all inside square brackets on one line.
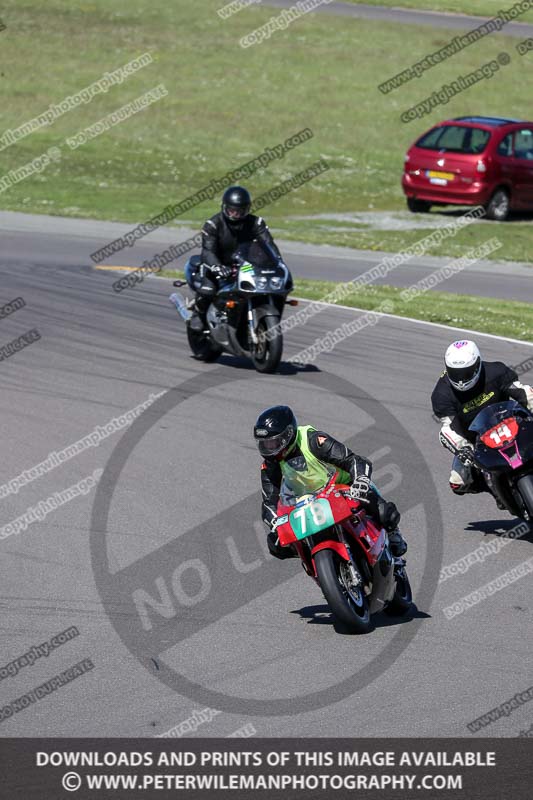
[(180, 303)]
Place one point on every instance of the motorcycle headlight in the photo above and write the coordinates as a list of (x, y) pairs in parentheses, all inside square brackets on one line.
[(276, 283), (261, 283)]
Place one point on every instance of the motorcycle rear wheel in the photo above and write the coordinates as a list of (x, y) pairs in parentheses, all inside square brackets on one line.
[(267, 353), (201, 346), (403, 596), (525, 487), (349, 605)]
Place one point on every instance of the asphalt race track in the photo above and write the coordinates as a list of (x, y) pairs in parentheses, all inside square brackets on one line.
[(412, 16), (226, 626), (69, 242)]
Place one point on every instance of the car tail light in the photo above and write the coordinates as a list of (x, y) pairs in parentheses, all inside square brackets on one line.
[(481, 166), (501, 434)]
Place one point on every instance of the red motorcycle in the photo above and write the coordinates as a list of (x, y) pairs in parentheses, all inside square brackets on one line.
[(347, 555)]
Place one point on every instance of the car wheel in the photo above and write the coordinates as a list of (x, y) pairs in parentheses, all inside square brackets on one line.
[(418, 206), (498, 206)]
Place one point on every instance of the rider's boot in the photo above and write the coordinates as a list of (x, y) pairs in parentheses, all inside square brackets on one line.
[(198, 321)]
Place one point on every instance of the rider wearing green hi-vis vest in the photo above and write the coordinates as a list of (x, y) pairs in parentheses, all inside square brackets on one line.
[(315, 474), (304, 459)]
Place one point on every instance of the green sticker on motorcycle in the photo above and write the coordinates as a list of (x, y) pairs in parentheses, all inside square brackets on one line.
[(311, 518)]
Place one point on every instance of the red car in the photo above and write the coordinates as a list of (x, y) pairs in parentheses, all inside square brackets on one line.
[(485, 161)]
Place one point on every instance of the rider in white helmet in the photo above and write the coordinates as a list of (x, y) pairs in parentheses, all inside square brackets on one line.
[(468, 385)]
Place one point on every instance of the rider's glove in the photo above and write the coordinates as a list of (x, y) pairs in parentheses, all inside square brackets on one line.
[(221, 272), (466, 456), (360, 488)]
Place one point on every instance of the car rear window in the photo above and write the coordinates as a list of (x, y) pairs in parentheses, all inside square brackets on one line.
[(455, 139)]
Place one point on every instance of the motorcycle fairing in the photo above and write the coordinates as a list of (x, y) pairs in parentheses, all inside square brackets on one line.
[(514, 459)]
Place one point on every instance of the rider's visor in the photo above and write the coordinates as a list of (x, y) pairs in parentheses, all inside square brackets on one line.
[(236, 212), (463, 374), (273, 445)]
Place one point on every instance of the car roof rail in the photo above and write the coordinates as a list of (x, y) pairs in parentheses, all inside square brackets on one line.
[(496, 121)]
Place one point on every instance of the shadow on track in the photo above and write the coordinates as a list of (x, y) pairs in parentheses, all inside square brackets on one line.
[(285, 368), (499, 527), (321, 615)]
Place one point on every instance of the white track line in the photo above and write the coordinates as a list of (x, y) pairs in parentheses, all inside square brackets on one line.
[(417, 321), (363, 310)]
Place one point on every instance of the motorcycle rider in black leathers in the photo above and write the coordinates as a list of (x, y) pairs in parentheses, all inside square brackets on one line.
[(303, 459), (462, 391), (221, 235)]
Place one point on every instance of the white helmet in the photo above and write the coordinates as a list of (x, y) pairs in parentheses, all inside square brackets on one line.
[(463, 365)]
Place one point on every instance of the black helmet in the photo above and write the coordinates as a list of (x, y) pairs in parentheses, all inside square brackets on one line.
[(236, 204), (275, 430)]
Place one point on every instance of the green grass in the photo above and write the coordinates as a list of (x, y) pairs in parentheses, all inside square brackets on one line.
[(515, 238), (482, 8), (484, 314), (226, 104)]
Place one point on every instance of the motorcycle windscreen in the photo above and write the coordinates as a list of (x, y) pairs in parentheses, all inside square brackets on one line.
[(492, 415), (258, 254)]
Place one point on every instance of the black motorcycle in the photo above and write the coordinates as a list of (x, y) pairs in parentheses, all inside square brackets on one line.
[(504, 453), (245, 314)]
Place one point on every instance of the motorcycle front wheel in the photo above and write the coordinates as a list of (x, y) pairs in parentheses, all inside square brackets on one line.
[(525, 487), (201, 346), (347, 602), (266, 354)]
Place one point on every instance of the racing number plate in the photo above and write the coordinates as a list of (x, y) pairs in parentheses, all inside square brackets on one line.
[(311, 518)]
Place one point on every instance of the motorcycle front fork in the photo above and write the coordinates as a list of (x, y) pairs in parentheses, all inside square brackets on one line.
[(357, 579), (251, 327), (355, 575)]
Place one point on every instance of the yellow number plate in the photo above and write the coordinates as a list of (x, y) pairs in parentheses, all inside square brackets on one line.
[(447, 176)]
